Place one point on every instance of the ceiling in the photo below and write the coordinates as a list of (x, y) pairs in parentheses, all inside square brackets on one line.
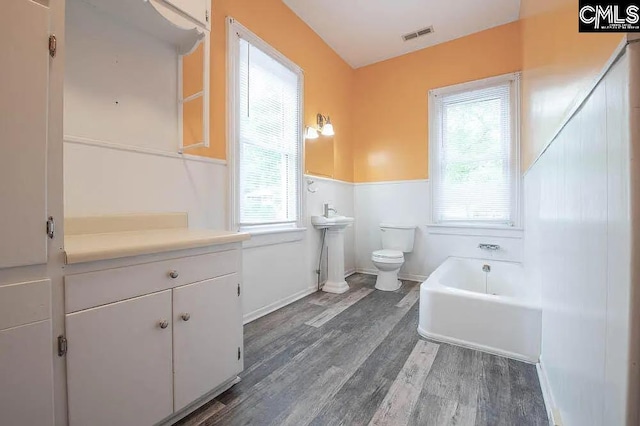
[(366, 31)]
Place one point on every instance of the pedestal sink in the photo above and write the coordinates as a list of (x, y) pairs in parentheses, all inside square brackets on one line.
[(335, 226)]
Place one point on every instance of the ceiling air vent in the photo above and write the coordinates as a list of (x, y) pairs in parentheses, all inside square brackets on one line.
[(416, 34)]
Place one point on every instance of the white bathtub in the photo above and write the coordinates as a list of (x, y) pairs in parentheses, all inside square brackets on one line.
[(491, 311)]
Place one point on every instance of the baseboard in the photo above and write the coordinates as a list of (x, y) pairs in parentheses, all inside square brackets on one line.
[(252, 316), (475, 346), (412, 277), (552, 411), (199, 402), (408, 277), (350, 272)]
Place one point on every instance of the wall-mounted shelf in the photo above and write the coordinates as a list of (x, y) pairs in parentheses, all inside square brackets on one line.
[(135, 51), (160, 19)]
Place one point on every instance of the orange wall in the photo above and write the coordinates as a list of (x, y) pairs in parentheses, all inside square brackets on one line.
[(380, 111), (390, 104), (559, 63), (328, 79)]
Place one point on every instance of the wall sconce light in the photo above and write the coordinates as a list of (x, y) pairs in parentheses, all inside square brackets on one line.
[(324, 127), (311, 133)]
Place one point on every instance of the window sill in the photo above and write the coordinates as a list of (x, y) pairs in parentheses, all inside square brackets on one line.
[(476, 230), (270, 237)]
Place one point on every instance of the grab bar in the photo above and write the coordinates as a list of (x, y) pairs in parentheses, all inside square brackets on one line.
[(490, 247)]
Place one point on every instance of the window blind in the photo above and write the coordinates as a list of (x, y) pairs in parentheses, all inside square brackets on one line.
[(475, 176), (269, 139)]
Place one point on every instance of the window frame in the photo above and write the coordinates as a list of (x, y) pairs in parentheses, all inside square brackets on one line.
[(235, 32), (435, 136)]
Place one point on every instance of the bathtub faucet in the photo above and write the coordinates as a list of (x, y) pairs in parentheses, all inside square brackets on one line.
[(491, 247)]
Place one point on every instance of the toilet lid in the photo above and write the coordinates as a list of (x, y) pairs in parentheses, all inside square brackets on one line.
[(388, 254)]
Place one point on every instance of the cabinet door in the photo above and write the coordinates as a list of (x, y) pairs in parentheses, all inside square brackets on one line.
[(197, 9), (119, 363), (205, 346), (26, 375), (23, 132)]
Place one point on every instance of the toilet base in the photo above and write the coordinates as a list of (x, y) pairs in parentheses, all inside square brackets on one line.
[(388, 281)]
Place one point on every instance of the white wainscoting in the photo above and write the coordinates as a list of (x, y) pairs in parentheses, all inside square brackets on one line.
[(101, 180), (577, 249), (409, 202), (282, 272)]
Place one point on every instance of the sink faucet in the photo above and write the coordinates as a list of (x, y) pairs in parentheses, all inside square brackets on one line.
[(328, 208)]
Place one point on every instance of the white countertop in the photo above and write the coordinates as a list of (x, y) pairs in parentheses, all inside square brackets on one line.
[(112, 245)]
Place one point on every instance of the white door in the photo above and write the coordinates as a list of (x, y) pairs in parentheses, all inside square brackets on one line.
[(119, 363), (207, 335), (24, 34), (26, 375), (197, 9)]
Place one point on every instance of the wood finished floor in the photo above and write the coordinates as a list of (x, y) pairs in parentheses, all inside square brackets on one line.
[(357, 359)]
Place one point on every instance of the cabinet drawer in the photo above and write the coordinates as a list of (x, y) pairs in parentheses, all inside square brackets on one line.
[(87, 290)]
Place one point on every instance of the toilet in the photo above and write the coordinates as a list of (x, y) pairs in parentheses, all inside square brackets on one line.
[(396, 240)]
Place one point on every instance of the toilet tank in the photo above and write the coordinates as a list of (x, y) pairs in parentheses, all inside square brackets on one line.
[(397, 237)]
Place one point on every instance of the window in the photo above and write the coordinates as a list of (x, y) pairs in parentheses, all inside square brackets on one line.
[(267, 134), (474, 152)]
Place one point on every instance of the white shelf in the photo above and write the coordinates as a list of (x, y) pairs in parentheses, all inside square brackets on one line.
[(156, 18)]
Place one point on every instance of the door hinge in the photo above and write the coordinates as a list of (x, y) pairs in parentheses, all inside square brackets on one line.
[(51, 227), (239, 354), (206, 15), (53, 45), (238, 289), (62, 345)]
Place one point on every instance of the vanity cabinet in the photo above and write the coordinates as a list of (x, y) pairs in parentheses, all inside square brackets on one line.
[(148, 340)]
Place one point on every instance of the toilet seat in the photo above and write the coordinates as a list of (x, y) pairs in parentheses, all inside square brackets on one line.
[(387, 256)]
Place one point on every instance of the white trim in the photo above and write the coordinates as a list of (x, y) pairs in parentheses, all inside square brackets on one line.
[(401, 276), (475, 84), (547, 396), (235, 31), (582, 97), (274, 237), (434, 135), (471, 345), (258, 313), (350, 272), (205, 94), (476, 231), (413, 277), (392, 182), (78, 140), (327, 179)]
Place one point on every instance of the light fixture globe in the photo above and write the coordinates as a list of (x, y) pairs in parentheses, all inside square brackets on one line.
[(327, 129), (311, 133)]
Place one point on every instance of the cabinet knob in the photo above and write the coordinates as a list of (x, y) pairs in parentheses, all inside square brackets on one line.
[(173, 274), (163, 324), (186, 316)]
